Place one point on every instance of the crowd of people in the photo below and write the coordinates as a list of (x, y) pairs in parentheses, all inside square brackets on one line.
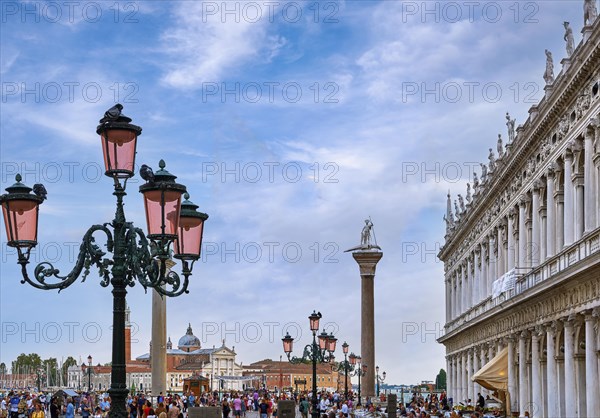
[(234, 404)]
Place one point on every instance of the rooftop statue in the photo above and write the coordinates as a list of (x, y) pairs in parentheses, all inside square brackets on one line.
[(510, 124), (549, 73), (590, 12), (569, 39)]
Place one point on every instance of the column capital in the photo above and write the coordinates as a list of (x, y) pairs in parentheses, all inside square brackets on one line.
[(568, 155), (550, 173), (524, 334), (537, 332), (537, 185), (524, 199)]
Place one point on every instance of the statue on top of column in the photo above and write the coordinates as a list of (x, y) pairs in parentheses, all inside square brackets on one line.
[(549, 73), (510, 124), (590, 12), (456, 209), (468, 197), (365, 238), (475, 183), (569, 38)]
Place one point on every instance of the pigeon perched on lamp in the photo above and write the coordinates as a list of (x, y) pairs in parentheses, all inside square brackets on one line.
[(40, 190), (146, 173)]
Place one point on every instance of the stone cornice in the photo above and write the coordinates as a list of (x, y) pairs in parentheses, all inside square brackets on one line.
[(543, 118)]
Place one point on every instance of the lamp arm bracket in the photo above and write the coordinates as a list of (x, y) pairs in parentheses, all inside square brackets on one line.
[(89, 254)]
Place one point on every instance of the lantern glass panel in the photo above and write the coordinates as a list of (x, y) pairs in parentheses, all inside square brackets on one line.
[(189, 237), (118, 146), (153, 200), (20, 219)]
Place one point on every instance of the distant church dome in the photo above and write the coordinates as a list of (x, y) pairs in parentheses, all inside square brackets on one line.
[(189, 341)]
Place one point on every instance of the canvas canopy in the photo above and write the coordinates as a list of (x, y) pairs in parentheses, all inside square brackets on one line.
[(494, 375)]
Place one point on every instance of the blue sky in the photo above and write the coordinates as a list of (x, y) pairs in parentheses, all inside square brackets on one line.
[(290, 123)]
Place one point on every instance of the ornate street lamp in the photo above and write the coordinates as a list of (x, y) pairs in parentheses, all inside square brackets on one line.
[(135, 256), (346, 367), (380, 379), (89, 373), (316, 353), (361, 370)]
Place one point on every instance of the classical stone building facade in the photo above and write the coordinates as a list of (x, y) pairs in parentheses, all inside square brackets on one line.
[(522, 255)]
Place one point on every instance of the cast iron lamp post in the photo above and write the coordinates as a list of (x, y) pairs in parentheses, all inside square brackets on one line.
[(346, 367), (380, 379), (361, 370), (135, 256), (316, 353), (90, 373)]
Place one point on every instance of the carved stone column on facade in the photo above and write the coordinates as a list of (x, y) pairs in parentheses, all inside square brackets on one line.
[(492, 265), (536, 374), (483, 360), (523, 383), (596, 159), (592, 380), (512, 381), (522, 233), (511, 239), (589, 181), (463, 376), (579, 192), (499, 241), (448, 285), (484, 269), (551, 372), (550, 220), (470, 385), (569, 216), (535, 228), (464, 288), (476, 367), (477, 281), (570, 377), (449, 385)]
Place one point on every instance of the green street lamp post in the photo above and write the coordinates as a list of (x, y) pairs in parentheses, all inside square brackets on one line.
[(172, 225), (346, 367), (380, 379), (89, 373), (361, 370), (315, 353)]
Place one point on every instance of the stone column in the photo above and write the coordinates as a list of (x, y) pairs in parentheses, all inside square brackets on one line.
[(492, 271), (579, 205), (535, 228), (449, 387), (570, 378), (596, 159), (589, 181), (465, 288), (592, 381), (484, 270), (469, 282), (523, 384), (448, 298), (512, 381), (456, 378), (511, 239), (462, 375), (482, 358), (569, 218), (158, 354), (536, 372), (455, 307), (522, 233), (476, 367), (499, 242), (367, 262), (477, 281), (469, 375), (551, 372), (550, 221)]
